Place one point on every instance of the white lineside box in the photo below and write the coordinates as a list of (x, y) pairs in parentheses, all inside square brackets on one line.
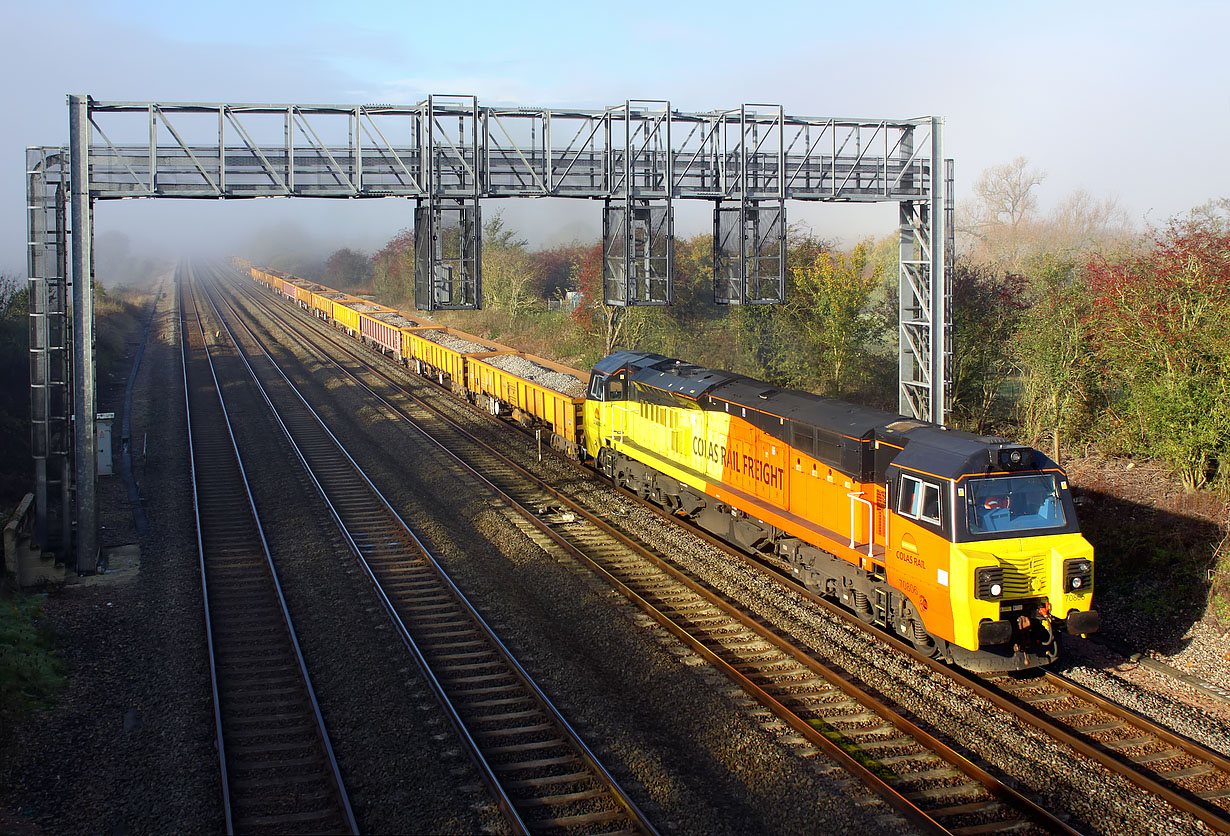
[(102, 430)]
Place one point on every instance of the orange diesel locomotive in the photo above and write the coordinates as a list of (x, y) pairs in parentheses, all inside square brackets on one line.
[(966, 545)]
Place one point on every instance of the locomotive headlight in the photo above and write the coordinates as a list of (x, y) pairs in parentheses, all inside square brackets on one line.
[(989, 583), (1077, 574), (1017, 458)]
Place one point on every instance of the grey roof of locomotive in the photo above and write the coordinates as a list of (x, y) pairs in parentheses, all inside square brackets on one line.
[(932, 448)]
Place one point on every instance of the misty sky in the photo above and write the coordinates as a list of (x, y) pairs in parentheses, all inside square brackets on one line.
[(1124, 99)]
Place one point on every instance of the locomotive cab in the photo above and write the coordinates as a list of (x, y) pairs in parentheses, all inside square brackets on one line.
[(1017, 566), (604, 404)]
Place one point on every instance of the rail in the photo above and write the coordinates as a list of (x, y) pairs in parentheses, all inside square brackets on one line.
[(277, 766), (504, 719)]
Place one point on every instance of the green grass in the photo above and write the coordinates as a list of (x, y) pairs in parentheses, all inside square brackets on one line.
[(852, 749), (31, 674)]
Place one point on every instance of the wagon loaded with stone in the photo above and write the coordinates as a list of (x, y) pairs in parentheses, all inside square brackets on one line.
[(384, 328), (534, 392), (441, 354), (324, 302)]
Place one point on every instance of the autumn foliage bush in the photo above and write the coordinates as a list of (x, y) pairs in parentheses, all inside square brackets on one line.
[(1157, 327)]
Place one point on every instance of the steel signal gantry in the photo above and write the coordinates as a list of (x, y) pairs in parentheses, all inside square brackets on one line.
[(447, 153)]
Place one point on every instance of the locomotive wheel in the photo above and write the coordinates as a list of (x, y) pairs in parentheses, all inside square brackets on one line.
[(917, 634), (923, 641)]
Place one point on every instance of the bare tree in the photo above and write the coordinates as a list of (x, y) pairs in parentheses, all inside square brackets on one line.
[(1003, 216), (1215, 213), (1003, 225), (1081, 221), (1006, 193)]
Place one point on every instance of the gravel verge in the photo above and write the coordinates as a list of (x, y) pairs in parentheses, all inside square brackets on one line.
[(130, 747)]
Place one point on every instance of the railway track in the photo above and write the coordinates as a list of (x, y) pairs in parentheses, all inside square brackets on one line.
[(543, 776), (277, 766), (1189, 776), (919, 775), (1185, 774), (1182, 772)]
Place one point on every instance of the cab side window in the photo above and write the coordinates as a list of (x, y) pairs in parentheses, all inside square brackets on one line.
[(909, 498), (596, 386), (615, 388), (931, 504), (919, 500)]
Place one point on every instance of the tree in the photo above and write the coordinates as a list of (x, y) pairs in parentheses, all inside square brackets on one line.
[(1158, 322), (14, 333), (393, 268), (1054, 352), (1081, 221), (554, 270), (14, 391), (115, 263), (829, 307), (610, 325), (507, 269), (1002, 225), (347, 269), (998, 224), (764, 347), (1006, 192), (496, 234), (693, 281), (986, 312), (1214, 214)]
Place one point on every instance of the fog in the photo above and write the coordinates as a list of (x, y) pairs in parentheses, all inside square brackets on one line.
[(1125, 99), (308, 230)]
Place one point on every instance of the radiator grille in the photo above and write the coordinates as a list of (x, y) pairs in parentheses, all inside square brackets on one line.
[(1025, 574)]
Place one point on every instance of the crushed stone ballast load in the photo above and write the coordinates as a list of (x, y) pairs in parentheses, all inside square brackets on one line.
[(454, 343), (523, 367), (395, 319)]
